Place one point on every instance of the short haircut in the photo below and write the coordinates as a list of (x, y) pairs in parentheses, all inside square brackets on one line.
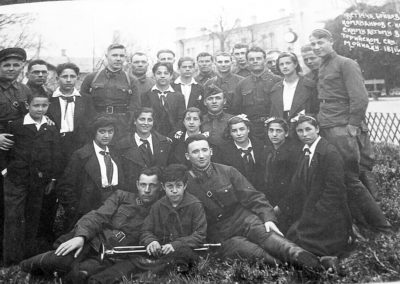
[(292, 57), (239, 46), (203, 54), (306, 118), (278, 120), (194, 138), (256, 49), (139, 54), (32, 95), (234, 120), (321, 33), (141, 110), (211, 90), (102, 120), (115, 46), (165, 51), (272, 51), (222, 53), (152, 171), (69, 65), (186, 58), (306, 48), (174, 172), (169, 67), (37, 62), (192, 109)]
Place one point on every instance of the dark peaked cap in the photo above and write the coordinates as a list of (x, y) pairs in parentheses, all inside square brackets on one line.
[(12, 52)]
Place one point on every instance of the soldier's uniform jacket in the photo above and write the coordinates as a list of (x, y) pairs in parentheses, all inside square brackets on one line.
[(229, 201), (43, 90), (215, 126), (184, 225), (116, 223), (202, 78), (252, 95)]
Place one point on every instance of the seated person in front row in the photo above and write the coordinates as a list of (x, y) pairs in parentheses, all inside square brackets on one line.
[(176, 220), (92, 174), (116, 223)]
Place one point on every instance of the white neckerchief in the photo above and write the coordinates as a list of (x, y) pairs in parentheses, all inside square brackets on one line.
[(103, 171), (248, 146), (67, 110)]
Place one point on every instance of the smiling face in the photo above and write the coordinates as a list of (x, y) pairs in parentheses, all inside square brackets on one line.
[(239, 132), (321, 46), (10, 68), (104, 135), (144, 123), (307, 132), (192, 122), (162, 77), (199, 154)]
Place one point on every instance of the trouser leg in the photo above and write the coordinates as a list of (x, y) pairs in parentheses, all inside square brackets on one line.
[(361, 203), (14, 222), (47, 217), (114, 273), (91, 265), (47, 263)]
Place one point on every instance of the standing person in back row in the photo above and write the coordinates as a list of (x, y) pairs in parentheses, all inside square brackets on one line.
[(253, 94), (343, 104), (112, 90)]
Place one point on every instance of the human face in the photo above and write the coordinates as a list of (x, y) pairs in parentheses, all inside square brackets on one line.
[(38, 74), (104, 135), (162, 76), (307, 132), (139, 64), (240, 55), (37, 108), (199, 154), (321, 46), (187, 69), (192, 122), (256, 61), (174, 191), (116, 58), (144, 123), (311, 60), (223, 64), (287, 66), (271, 60), (10, 68), (166, 57), (215, 103), (205, 64), (240, 132), (276, 134), (148, 188), (67, 81)]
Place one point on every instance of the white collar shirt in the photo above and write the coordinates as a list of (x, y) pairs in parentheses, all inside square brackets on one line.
[(67, 110), (29, 120), (248, 146), (103, 171), (163, 93), (288, 94), (312, 148), (150, 139), (186, 88)]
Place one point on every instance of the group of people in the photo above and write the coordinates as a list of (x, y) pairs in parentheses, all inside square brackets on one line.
[(271, 162)]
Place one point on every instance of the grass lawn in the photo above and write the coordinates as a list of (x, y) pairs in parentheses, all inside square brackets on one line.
[(374, 259)]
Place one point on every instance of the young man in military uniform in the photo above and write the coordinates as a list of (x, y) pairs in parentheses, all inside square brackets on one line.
[(241, 67), (139, 66), (205, 64), (112, 90)]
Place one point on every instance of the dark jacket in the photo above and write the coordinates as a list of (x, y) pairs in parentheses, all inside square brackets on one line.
[(132, 160), (184, 225), (215, 126), (116, 223), (229, 200), (280, 166), (305, 99), (79, 189), (319, 207), (196, 97), (230, 155), (167, 121), (83, 112), (35, 154)]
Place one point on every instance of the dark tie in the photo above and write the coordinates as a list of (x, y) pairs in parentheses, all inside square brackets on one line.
[(304, 164), (146, 152), (248, 158), (109, 166)]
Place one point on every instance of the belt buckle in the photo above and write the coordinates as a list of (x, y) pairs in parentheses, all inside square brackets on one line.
[(109, 109), (209, 194), (120, 236)]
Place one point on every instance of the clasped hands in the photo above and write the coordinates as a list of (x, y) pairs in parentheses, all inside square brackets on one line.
[(155, 249)]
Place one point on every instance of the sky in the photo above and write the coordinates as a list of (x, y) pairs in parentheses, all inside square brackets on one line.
[(78, 26)]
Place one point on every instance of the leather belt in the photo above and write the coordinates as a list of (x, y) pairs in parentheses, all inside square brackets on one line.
[(327, 101), (112, 109)]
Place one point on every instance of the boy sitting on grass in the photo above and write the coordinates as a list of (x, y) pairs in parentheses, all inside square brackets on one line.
[(175, 221)]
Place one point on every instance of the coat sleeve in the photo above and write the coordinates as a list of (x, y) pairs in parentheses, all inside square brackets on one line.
[(86, 84), (134, 102), (358, 96), (146, 234), (199, 226), (237, 99), (250, 198), (92, 223), (180, 112)]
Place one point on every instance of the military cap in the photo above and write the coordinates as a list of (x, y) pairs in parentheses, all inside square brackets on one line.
[(321, 33), (212, 90), (12, 52)]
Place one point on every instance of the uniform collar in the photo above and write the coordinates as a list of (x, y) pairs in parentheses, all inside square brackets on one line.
[(6, 84), (179, 81), (169, 90)]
